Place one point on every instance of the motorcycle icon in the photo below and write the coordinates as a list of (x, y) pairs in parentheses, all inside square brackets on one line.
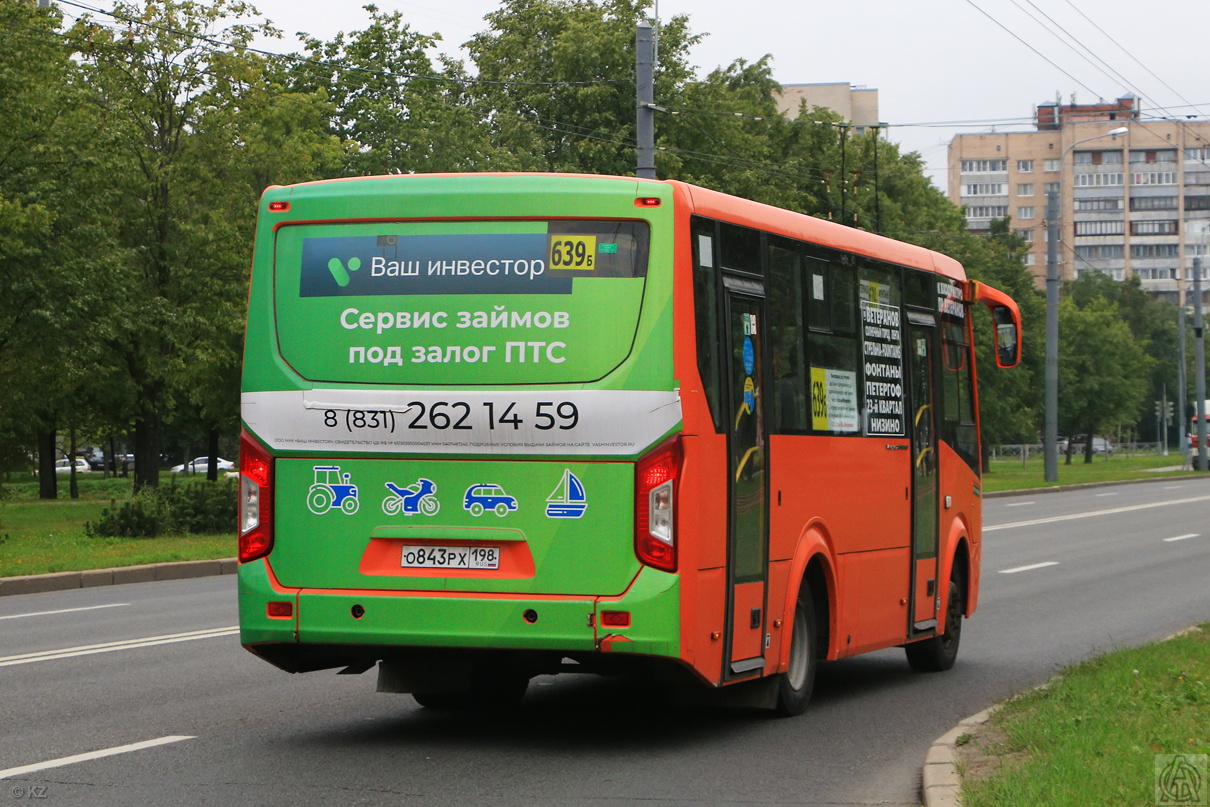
[(415, 498)]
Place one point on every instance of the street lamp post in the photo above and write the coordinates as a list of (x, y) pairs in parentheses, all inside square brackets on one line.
[(1050, 434)]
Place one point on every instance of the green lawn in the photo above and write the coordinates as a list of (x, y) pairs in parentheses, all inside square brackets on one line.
[(39, 537), (1009, 474), (1099, 733)]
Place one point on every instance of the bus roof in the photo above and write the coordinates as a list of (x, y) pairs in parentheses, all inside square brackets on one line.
[(738, 210), (817, 231)]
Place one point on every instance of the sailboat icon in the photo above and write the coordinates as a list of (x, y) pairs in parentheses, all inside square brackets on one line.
[(568, 499)]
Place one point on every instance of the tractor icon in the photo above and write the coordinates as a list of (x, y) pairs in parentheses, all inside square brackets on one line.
[(331, 490)]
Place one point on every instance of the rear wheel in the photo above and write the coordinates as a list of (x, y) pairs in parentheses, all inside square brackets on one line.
[(938, 653), (795, 684), (319, 499), (489, 693)]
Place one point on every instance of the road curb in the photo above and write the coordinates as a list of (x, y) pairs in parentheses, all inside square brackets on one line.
[(89, 578), (941, 783)]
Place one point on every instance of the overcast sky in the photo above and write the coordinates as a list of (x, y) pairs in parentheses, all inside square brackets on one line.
[(932, 61)]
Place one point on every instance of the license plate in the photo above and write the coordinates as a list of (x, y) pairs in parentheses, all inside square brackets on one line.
[(450, 557)]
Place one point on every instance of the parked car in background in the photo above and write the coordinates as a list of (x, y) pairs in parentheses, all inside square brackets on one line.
[(201, 465), (63, 466), (95, 459), (1099, 445)]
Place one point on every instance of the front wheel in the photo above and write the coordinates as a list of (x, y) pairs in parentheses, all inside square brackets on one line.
[(795, 684), (938, 653)]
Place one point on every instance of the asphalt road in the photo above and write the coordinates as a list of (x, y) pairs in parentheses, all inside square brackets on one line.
[(149, 680)]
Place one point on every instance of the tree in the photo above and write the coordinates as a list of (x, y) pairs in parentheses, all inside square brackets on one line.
[(395, 112), (1153, 323), (153, 87), (556, 81), (1102, 370), (53, 247)]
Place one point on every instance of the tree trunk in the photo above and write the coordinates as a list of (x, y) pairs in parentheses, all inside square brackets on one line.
[(48, 483), (74, 485), (148, 439), (212, 454)]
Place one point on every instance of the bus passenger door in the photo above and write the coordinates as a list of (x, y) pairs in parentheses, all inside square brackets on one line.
[(922, 339), (747, 484)]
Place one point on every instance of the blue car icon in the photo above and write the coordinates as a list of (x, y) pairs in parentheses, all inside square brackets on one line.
[(488, 497)]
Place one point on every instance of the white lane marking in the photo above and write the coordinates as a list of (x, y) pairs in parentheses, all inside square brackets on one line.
[(1030, 567), (66, 610), (1173, 487), (1182, 537), (1020, 504), (109, 647), (1109, 512), (1103, 495), (104, 752)]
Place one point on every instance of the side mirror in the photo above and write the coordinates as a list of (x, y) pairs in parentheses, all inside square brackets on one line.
[(1007, 318), (1008, 337)]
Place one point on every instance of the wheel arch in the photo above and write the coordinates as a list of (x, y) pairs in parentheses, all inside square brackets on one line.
[(959, 552), (813, 565)]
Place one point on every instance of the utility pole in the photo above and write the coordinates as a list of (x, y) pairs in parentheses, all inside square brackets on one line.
[(1050, 433), (1181, 384), (644, 72), (1199, 356)]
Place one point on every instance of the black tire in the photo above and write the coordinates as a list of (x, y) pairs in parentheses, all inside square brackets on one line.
[(937, 654), (795, 684)]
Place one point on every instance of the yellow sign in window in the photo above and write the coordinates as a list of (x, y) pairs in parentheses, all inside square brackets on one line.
[(573, 252)]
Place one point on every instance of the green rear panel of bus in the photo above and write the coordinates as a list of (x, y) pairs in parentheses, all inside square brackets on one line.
[(440, 366)]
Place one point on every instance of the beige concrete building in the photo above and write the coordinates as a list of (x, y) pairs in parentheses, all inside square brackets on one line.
[(1131, 204), (858, 105)]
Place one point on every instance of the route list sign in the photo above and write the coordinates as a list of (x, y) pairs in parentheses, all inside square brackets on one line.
[(882, 355)]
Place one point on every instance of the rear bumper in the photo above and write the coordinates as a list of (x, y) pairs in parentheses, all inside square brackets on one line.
[(325, 630)]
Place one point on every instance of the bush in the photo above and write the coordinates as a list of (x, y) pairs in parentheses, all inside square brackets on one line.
[(192, 507)]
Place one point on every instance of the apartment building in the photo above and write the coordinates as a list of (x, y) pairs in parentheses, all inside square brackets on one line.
[(1130, 204), (858, 105)]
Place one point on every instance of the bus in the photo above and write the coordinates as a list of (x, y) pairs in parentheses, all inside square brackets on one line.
[(497, 426)]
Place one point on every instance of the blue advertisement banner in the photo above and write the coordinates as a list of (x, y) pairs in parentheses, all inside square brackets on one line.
[(429, 264)]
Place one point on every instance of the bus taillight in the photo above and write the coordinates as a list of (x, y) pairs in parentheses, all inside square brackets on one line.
[(255, 500), (655, 479)]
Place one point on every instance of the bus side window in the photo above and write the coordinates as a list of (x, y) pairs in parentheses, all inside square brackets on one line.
[(957, 404), (739, 248), (832, 345), (706, 304), (884, 403), (787, 336)]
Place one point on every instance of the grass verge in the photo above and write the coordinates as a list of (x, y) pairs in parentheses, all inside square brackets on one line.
[(40, 537), (1099, 733), (1014, 475)]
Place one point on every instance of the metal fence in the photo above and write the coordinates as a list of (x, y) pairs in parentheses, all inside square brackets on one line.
[(1027, 451)]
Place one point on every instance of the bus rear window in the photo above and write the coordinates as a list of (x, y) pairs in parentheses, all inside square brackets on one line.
[(465, 302)]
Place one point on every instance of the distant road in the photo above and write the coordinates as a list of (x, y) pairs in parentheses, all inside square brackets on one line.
[(140, 694)]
